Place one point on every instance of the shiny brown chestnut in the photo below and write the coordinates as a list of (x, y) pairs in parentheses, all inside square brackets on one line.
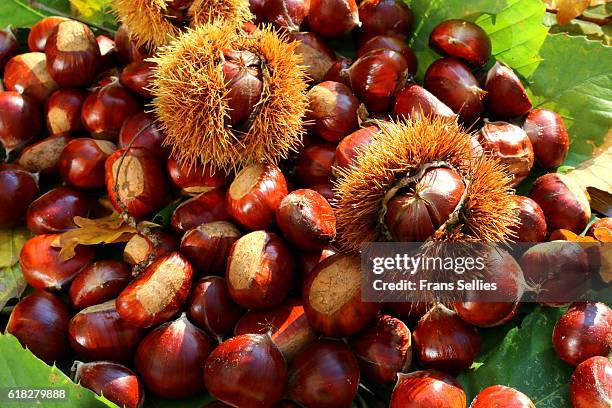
[(211, 308), (246, 371), (591, 384), (9, 47), (244, 84), (317, 56), (333, 18), (461, 39), (333, 111), (98, 333), (506, 96), (307, 260), (55, 210), (27, 74), (500, 394), (408, 311), (141, 130), (170, 359), (388, 42), (414, 101), (332, 298), (139, 248), (258, 9), (126, 47), (204, 208), (563, 201), (116, 382), (260, 270), (42, 267), (384, 17), (324, 375), (81, 163), (548, 136), (40, 323), (349, 147), (286, 14), (73, 54), (137, 77), (40, 32), (196, 179), (19, 188), (306, 219), (19, 120), (43, 156), (140, 304), (99, 282), (208, 245), (136, 181), (63, 111), (427, 388), (314, 164), (338, 72), (532, 223), (384, 349), (255, 194)]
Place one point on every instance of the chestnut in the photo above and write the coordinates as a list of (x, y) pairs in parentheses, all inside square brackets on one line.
[(388, 42), (260, 270), (510, 145), (136, 181), (332, 297), (43, 156), (42, 267), (384, 349), (338, 72), (40, 32), (288, 14), (317, 56), (591, 383), (377, 76), (445, 342), (9, 47), (500, 394), (306, 219), (63, 111), (126, 46), (170, 359), (194, 180), (55, 210), (140, 303), (255, 194), (20, 121), (208, 245), (532, 224), (73, 54), (349, 147), (287, 325), (314, 164), (258, 9), (116, 382), (141, 130), (98, 333), (40, 323), (204, 208), (108, 53), (137, 77), (452, 82), (324, 375), (506, 96), (106, 108), (461, 39), (99, 282), (333, 111), (244, 84), (548, 136), (414, 101), (326, 190), (584, 331), (333, 18), (408, 311), (139, 248), (19, 188), (563, 201), (211, 308), (27, 74), (81, 163), (307, 260), (384, 17), (427, 388)]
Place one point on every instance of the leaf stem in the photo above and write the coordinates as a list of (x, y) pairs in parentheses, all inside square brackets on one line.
[(57, 12)]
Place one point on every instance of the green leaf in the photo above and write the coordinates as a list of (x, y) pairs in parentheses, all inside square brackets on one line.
[(20, 369), (12, 282), (527, 361), (575, 80), (21, 13), (165, 214), (94, 11)]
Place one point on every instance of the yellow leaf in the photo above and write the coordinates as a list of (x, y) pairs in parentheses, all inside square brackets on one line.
[(570, 9), (566, 235), (12, 282), (595, 171)]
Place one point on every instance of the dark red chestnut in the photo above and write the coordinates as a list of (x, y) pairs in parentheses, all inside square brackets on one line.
[(194, 180), (246, 371), (324, 375), (170, 359), (20, 121), (63, 111), (255, 194), (139, 248), (384, 17), (244, 84), (388, 42), (307, 260), (306, 219), (408, 311), (333, 18), (141, 130), (445, 342), (314, 164), (136, 181), (461, 39), (383, 349), (452, 82), (333, 111), (260, 270), (591, 384), (19, 188), (427, 388), (506, 96), (532, 224), (211, 308), (317, 57), (332, 297), (289, 14), (73, 54), (500, 394), (326, 190), (338, 72), (563, 201), (207, 246), (157, 293), (584, 331), (116, 382), (137, 77), (414, 101), (98, 333), (99, 282), (42, 267), (9, 47), (27, 74), (126, 47), (258, 9), (81, 163), (40, 323), (108, 53), (548, 136), (40, 32), (351, 145), (204, 208), (287, 325), (55, 210), (43, 157)]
